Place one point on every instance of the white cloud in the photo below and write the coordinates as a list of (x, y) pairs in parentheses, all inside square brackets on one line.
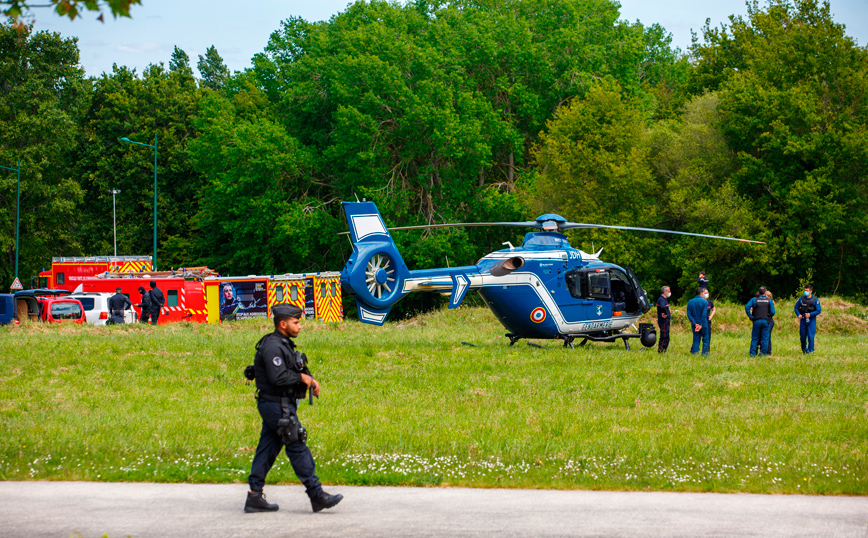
[(148, 46)]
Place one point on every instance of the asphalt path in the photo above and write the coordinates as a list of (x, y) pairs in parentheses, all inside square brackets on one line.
[(62, 509)]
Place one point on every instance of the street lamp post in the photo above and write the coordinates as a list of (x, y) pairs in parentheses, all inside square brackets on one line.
[(128, 141), (115, 218), (17, 212)]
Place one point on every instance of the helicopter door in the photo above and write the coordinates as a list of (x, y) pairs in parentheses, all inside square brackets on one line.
[(641, 296)]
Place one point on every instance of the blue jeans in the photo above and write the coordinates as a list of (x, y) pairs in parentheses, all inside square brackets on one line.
[(759, 337), (807, 330), (704, 336), (269, 447)]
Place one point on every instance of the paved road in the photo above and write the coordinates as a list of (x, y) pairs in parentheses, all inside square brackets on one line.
[(60, 509)]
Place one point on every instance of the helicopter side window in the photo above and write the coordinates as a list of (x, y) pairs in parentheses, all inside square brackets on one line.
[(599, 286)]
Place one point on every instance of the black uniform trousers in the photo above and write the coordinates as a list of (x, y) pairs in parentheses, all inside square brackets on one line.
[(664, 334), (154, 317), (269, 447), (145, 316)]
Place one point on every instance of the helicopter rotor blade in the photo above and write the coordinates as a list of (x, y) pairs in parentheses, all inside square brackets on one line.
[(525, 224), (579, 225)]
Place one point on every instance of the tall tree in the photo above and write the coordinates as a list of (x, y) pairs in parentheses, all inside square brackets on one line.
[(212, 69), (794, 104), (42, 96)]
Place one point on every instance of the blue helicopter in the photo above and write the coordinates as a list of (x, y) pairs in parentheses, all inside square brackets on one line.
[(544, 289)]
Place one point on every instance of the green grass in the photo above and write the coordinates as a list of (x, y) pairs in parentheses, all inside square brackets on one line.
[(407, 403)]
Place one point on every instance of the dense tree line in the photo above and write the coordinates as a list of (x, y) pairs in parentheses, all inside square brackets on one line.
[(458, 111)]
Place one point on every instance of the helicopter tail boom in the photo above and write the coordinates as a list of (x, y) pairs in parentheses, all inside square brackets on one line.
[(376, 275)]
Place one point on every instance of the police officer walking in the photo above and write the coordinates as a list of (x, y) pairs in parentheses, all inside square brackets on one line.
[(157, 302), (760, 310), (145, 304), (697, 313), (664, 318), (282, 378), (808, 308), (117, 303)]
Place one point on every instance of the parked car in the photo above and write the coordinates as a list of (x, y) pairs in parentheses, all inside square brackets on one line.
[(96, 308), (27, 307), (7, 309), (60, 310)]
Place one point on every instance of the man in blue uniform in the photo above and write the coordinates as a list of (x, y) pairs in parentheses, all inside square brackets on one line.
[(117, 303), (664, 318), (145, 305), (702, 282), (808, 308), (697, 313), (760, 310), (282, 378)]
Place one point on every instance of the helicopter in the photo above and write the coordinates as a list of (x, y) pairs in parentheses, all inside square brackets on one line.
[(544, 289)]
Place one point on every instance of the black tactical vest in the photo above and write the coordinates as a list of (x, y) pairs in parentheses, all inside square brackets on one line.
[(808, 306), (762, 308)]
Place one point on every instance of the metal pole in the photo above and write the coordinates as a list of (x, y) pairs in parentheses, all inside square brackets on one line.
[(17, 217), (155, 202), (115, 218)]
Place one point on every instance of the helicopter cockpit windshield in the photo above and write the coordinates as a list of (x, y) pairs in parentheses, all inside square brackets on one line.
[(605, 285)]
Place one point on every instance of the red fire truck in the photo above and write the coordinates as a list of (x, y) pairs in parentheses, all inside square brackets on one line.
[(68, 272), (182, 289)]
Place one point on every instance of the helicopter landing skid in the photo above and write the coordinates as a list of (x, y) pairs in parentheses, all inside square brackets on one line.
[(568, 340), (512, 338), (610, 338)]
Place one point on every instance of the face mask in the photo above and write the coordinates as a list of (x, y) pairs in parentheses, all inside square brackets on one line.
[(807, 293), (705, 296), (668, 294)]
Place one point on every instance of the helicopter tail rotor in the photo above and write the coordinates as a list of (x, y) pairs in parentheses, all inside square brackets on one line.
[(375, 272)]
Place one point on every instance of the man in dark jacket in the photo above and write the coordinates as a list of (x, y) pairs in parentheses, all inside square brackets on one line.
[(117, 303), (282, 377), (664, 318), (145, 304), (157, 302)]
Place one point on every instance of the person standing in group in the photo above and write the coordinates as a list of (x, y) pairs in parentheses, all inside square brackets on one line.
[(282, 378), (145, 305), (702, 281), (157, 302), (710, 310), (808, 308), (664, 318), (117, 303), (697, 313), (760, 310), (771, 321)]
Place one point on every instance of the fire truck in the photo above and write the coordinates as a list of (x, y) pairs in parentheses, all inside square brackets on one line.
[(234, 298), (70, 271), (197, 293)]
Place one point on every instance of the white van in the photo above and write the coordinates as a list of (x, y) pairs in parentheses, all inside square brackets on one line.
[(96, 309)]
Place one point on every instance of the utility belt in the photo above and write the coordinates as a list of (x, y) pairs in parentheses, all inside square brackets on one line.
[(117, 312), (267, 397)]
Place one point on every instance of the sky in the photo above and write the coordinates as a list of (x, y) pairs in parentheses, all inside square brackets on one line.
[(156, 26)]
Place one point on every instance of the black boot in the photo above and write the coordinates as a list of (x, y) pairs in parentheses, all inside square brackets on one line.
[(323, 500), (256, 503)]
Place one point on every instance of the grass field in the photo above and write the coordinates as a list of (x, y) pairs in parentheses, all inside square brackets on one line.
[(408, 403)]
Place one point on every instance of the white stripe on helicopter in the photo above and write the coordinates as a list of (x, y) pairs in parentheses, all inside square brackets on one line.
[(485, 280)]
